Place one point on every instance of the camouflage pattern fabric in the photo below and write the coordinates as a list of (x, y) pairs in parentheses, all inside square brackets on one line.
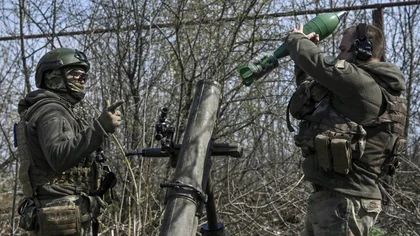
[(77, 89), (54, 80), (333, 213), (63, 226)]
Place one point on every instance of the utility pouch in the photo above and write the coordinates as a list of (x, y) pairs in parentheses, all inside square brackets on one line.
[(304, 99), (341, 154), (322, 147), (59, 220), (27, 211)]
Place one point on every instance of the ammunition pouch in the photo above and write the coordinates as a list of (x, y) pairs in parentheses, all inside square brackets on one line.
[(323, 153), (50, 220), (28, 213), (73, 176), (341, 153), (333, 152), (59, 220), (60, 216)]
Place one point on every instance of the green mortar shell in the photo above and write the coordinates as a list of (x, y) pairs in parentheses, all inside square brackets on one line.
[(324, 25)]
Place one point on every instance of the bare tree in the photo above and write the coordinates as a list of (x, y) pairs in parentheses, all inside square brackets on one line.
[(151, 53)]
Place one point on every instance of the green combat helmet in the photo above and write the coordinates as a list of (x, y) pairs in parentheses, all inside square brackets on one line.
[(57, 59)]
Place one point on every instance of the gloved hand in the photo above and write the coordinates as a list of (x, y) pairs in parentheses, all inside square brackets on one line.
[(110, 117)]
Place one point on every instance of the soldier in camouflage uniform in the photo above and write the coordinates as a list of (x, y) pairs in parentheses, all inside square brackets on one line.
[(353, 112), (60, 172)]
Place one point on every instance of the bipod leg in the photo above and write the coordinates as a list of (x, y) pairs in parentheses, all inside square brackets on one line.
[(212, 228)]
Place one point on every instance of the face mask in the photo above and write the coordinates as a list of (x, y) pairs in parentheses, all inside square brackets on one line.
[(54, 81), (71, 86), (76, 89), (76, 83)]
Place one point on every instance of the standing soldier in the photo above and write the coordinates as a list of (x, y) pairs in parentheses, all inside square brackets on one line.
[(353, 111), (60, 170)]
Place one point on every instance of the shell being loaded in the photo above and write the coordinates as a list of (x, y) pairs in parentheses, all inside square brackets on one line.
[(324, 25)]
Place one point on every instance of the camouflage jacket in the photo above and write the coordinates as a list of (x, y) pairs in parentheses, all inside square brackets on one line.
[(355, 94)]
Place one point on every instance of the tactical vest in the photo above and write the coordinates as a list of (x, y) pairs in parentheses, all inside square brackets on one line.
[(82, 177), (337, 141), (393, 121)]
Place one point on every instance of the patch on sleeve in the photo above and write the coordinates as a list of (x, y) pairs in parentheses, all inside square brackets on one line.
[(340, 64), (330, 60)]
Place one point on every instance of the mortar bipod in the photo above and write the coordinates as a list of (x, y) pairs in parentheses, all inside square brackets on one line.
[(212, 227)]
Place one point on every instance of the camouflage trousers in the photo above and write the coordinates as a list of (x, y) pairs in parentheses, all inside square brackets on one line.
[(333, 213)]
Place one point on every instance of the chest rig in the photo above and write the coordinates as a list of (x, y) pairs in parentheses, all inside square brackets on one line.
[(82, 177)]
